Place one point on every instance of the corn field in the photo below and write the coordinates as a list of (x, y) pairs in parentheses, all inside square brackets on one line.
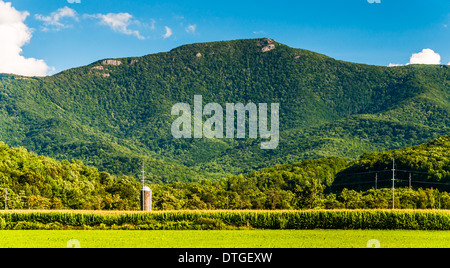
[(218, 220)]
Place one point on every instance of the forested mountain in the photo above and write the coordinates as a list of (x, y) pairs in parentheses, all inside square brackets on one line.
[(114, 113)]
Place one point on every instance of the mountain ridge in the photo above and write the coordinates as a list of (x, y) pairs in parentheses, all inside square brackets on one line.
[(114, 115)]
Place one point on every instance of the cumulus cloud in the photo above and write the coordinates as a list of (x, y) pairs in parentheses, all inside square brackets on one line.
[(191, 28), (168, 33), (14, 34), (54, 21), (118, 22), (427, 56)]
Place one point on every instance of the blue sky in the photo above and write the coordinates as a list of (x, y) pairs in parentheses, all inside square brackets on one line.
[(64, 35)]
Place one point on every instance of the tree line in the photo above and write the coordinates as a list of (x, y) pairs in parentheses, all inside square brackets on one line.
[(39, 182)]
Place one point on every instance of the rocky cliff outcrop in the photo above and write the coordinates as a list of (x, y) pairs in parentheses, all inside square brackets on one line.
[(111, 62)]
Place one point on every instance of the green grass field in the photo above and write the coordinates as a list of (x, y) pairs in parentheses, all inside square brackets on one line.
[(226, 229), (225, 239)]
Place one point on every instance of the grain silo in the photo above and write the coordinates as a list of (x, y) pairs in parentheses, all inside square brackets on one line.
[(146, 194), (146, 199)]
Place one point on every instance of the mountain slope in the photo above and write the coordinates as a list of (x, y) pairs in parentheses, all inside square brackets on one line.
[(427, 165), (114, 113)]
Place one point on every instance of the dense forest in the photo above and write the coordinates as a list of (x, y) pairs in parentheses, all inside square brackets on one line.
[(29, 181), (39, 182), (327, 183), (114, 114)]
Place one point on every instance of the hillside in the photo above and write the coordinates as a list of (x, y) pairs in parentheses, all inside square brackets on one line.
[(332, 183), (428, 165), (40, 182), (116, 112)]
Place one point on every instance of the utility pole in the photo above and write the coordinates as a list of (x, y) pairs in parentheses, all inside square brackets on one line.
[(393, 184), (376, 181), (409, 180), (143, 184), (6, 198)]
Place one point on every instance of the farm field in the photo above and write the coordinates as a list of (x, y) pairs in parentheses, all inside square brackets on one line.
[(226, 229), (224, 238), (426, 220)]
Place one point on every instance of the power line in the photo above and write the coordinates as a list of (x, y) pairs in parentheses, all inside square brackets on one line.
[(430, 182), (393, 179), (354, 183), (362, 173), (418, 172), (387, 170)]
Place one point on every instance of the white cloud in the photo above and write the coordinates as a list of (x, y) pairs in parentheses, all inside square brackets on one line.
[(427, 56), (53, 22), (394, 65), (191, 28), (13, 35), (152, 26), (261, 32), (168, 33), (118, 22)]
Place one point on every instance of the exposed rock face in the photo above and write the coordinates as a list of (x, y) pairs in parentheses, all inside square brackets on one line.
[(198, 55), (98, 71), (112, 62), (268, 48), (267, 44)]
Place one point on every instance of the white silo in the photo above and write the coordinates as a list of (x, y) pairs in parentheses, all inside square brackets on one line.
[(146, 199)]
